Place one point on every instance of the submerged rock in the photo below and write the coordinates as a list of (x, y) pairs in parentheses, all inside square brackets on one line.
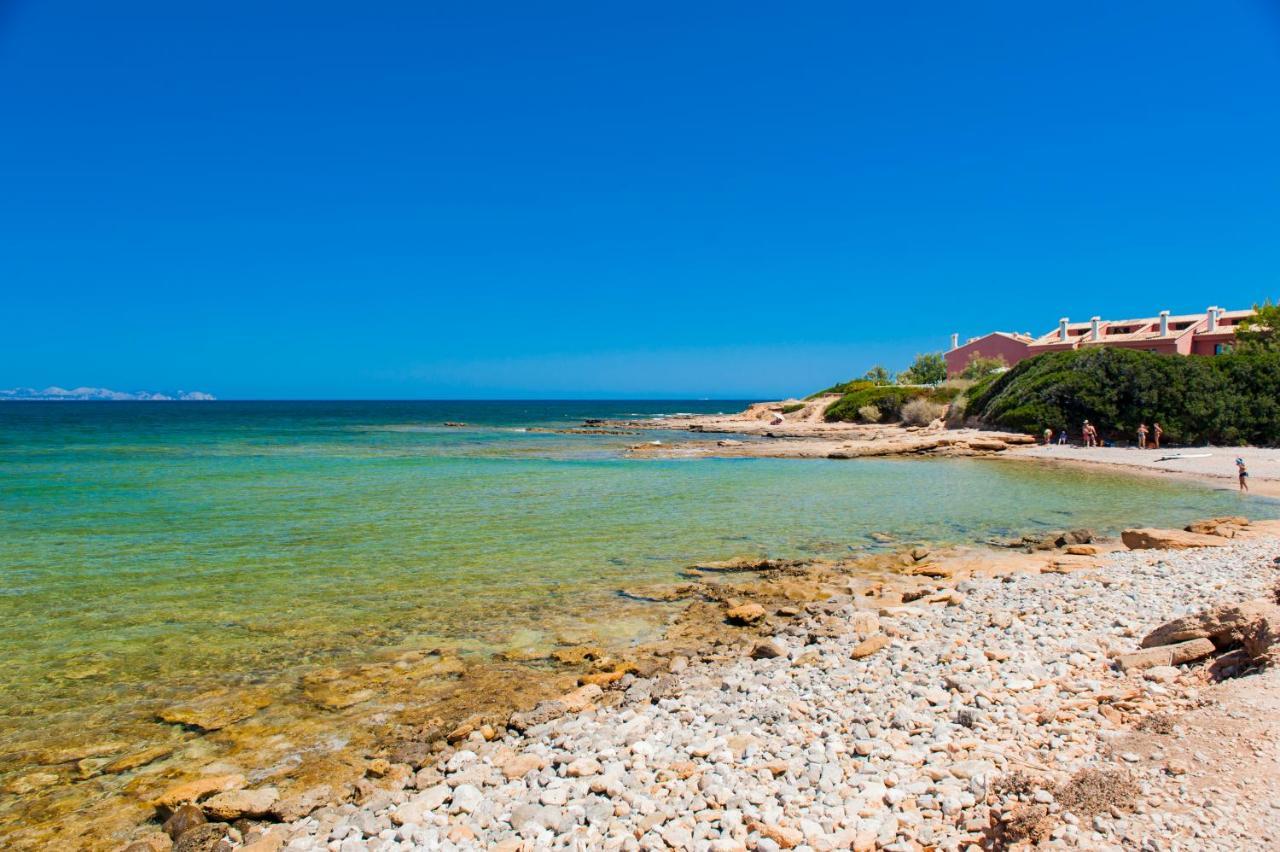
[(216, 710)]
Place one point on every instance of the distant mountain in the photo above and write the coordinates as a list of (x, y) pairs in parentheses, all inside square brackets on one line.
[(56, 393)]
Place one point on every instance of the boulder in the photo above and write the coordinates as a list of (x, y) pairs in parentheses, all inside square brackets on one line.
[(521, 765), (1227, 527), (185, 818), (416, 809), (580, 699), (298, 804), (1147, 538), (241, 804), (768, 650), (203, 838), (746, 614), (1222, 625), (542, 712)]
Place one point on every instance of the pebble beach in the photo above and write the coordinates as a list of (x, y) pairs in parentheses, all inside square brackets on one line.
[(980, 710)]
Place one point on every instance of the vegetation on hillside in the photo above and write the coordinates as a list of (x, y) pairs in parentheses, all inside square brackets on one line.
[(928, 369), (1226, 399), (887, 400)]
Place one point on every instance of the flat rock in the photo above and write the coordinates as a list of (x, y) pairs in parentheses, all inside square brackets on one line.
[(746, 614), (1149, 538), (237, 804), (869, 646), (214, 711), (197, 789)]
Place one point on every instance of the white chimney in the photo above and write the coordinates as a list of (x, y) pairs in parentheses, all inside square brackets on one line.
[(1095, 334), (1212, 314), (955, 341), (1062, 328), (1164, 323)]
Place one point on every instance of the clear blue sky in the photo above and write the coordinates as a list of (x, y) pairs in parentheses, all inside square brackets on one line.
[(320, 199)]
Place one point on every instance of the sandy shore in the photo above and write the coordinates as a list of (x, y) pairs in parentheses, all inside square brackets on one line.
[(1217, 469), (971, 698)]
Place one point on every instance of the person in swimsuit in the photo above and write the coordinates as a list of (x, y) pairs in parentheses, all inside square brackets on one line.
[(1062, 437), (1048, 437), (1142, 436), (1156, 432), (1244, 474)]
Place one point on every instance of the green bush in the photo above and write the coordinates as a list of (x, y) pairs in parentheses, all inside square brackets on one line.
[(1225, 399), (792, 408), (843, 388), (869, 414), (888, 399)]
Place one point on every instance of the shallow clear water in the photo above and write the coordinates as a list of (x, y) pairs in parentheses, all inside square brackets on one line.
[(149, 549)]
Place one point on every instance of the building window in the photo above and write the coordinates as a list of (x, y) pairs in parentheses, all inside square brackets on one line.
[(1221, 348)]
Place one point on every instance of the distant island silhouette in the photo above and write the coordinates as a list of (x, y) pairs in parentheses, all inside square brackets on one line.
[(103, 394)]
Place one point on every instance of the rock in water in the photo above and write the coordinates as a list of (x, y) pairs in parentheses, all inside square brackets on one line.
[(185, 818)]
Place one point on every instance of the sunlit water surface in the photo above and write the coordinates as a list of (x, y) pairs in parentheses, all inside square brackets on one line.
[(151, 549)]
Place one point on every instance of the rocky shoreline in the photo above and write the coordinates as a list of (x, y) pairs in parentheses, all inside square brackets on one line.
[(762, 431), (965, 699)]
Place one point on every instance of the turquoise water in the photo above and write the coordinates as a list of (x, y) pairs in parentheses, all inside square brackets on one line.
[(151, 549)]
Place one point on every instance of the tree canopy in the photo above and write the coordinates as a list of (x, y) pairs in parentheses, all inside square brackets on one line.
[(1260, 332), (929, 368)]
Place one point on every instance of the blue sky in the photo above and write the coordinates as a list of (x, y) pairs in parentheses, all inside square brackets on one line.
[(318, 199)]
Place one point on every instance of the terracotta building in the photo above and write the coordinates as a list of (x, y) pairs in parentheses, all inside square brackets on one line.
[(1210, 333)]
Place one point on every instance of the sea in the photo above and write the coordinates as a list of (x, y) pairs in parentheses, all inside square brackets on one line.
[(150, 551)]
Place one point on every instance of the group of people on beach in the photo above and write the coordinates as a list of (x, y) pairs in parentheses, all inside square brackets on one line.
[(1089, 434)]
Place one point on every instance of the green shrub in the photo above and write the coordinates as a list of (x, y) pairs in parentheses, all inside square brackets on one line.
[(1226, 399), (888, 399), (869, 414), (792, 408), (843, 388)]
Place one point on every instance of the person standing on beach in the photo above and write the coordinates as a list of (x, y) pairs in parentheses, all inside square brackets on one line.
[(1090, 437), (1062, 437), (1142, 436), (1156, 432), (1244, 474), (1048, 437)]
